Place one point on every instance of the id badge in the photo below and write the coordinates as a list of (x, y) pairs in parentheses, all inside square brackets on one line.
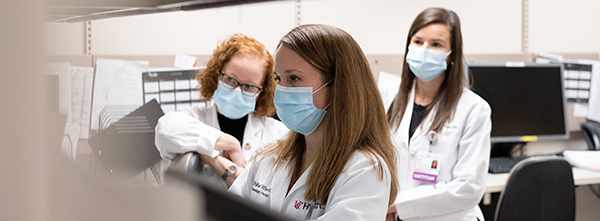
[(427, 167)]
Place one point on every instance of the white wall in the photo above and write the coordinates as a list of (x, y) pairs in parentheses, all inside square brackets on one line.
[(564, 26), (193, 32), (381, 27), (65, 38), (489, 27)]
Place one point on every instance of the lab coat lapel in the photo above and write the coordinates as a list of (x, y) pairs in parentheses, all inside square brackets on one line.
[(210, 116), (405, 123), (254, 128), (253, 135), (301, 181), (279, 186), (418, 138), (280, 183)]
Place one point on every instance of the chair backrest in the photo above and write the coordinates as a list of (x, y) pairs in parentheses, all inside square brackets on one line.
[(538, 188), (189, 162)]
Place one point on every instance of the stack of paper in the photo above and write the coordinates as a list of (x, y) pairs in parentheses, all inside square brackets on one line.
[(117, 82), (587, 159), (82, 79)]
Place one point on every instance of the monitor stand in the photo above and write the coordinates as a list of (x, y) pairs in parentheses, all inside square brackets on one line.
[(504, 149)]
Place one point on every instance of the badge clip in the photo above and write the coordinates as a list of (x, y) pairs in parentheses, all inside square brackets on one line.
[(431, 136)]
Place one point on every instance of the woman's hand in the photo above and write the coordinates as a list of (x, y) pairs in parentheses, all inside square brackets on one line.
[(232, 147), (391, 214)]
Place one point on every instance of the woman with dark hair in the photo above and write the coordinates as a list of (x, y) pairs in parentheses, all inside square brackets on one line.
[(238, 84), (436, 118), (338, 161)]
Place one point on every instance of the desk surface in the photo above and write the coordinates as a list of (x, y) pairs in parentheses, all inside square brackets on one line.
[(496, 182)]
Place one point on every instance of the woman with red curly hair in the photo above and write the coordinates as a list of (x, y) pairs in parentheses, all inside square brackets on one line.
[(238, 86)]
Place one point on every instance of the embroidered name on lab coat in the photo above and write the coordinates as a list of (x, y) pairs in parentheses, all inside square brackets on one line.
[(452, 127), (306, 205), (261, 189)]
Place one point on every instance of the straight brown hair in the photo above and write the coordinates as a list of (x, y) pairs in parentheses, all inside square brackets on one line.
[(355, 120), (445, 103)]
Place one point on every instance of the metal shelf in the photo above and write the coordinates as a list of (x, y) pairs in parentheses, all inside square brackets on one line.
[(87, 10)]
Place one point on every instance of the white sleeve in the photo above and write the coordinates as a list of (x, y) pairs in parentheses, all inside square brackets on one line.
[(388, 89), (469, 174), (179, 132), (359, 193)]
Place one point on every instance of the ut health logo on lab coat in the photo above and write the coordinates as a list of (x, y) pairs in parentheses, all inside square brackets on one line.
[(306, 205)]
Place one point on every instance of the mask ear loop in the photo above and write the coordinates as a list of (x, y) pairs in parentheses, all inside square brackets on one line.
[(448, 54), (322, 88)]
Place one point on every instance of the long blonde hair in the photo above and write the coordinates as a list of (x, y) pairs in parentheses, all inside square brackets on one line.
[(355, 120), (455, 81)]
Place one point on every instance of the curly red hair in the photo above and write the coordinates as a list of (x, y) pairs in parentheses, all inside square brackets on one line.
[(239, 44)]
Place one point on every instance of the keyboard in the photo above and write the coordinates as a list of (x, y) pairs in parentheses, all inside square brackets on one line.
[(504, 164)]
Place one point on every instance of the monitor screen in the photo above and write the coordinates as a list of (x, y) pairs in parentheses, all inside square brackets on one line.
[(527, 100), (217, 203)]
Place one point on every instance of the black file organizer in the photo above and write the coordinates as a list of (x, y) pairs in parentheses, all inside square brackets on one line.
[(126, 148)]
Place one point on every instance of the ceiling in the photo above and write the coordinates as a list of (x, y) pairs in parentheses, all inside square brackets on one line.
[(88, 10)]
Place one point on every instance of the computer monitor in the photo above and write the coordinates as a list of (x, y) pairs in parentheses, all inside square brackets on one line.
[(527, 100), (218, 204)]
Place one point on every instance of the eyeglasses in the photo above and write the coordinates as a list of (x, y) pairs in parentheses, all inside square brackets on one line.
[(231, 83), (277, 79)]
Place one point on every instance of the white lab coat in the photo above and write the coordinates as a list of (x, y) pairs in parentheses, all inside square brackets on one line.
[(358, 193), (197, 129), (464, 146), (388, 87)]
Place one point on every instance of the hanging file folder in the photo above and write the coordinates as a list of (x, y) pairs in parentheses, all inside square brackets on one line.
[(126, 148)]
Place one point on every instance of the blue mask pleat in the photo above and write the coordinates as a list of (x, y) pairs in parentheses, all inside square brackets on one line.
[(296, 110), (232, 103), (426, 63)]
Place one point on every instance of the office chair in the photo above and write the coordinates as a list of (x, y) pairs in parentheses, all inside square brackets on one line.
[(538, 188), (190, 163)]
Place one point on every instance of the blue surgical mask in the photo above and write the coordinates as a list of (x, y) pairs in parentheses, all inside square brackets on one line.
[(296, 110), (426, 63), (232, 103)]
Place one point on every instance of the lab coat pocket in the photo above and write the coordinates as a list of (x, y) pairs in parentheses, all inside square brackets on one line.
[(449, 136)]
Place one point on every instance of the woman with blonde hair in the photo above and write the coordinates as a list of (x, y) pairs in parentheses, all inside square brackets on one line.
[(238, 85), (338, 161)]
